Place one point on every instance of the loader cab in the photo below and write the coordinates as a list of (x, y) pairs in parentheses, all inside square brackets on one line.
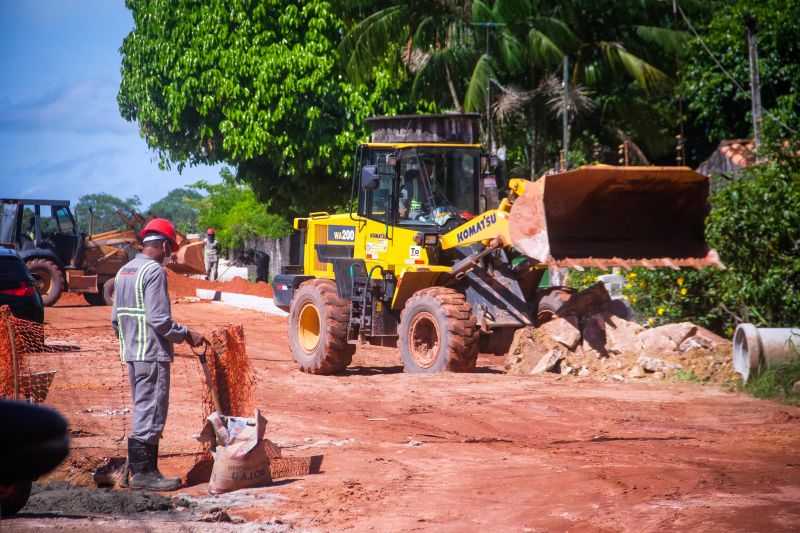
[(29, 225), (425, 187)]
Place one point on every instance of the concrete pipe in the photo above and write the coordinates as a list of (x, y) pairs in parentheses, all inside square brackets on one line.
[(754, 346)]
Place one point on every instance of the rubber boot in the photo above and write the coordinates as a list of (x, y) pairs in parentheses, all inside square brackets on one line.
[(154, 453), (144, 476)]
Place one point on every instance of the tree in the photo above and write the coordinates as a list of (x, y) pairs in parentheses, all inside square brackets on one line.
[(231, 208), (178, 207), (104, 209), (720, 109), (252, 84)]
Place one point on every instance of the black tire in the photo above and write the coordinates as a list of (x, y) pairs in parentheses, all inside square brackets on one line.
[(550, 301), (14, 497), (109, 287), (94, 298), (318, 321), (438, 332), (51, 279)]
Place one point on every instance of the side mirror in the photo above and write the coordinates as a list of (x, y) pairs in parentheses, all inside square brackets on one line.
[(369, 177)]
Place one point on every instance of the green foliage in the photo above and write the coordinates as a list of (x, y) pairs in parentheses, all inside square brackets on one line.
[(715, 103), (776, 381), (104, 209), (233, 210), (255, 85), (177, 207)]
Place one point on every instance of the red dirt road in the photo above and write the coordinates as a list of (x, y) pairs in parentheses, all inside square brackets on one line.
[(449, 452)]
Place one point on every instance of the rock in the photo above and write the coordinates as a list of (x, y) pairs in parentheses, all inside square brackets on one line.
[(658, 375), (617, 377), (665, 338), (564, 330), (621, 335), (594, 335), (566, 369), (636, 372), (586, 302), (548, 361), (584, 371), (796, 387), (653, 364), (529, 347)]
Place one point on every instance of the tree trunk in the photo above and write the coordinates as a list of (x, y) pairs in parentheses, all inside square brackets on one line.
[(453, 92)]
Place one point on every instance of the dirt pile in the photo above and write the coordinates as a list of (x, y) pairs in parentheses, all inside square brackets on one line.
[(591, 336), (182, 286), (63, 498)]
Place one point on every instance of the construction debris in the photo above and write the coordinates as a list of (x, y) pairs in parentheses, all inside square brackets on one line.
[(591, 337)]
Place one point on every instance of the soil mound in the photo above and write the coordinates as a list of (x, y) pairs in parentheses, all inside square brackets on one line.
[(182, 286), (63, 498), (591, 336)]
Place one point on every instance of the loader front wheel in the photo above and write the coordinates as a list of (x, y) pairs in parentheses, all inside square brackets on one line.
[(438, 332), (318, 328)]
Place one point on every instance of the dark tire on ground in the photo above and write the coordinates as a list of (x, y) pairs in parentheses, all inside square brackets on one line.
[(108, 291), (549, 301), (14, 497), (318, 328), (51, 279), (438, 332), (94, 298), (497, 341)]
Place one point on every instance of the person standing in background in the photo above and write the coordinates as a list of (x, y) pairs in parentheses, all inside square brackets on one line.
[(212, 255)]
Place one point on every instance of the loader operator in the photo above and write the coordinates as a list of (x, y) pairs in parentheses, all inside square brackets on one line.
[(413, 199), (142, 320), (212, 255)]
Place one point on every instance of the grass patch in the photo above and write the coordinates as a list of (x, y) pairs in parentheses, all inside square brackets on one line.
[(776, 382), (685, 375)]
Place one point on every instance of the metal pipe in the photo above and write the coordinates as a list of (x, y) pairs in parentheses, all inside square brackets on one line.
[(754, 347)]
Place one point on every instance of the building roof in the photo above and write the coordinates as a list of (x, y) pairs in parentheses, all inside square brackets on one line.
[(730, 156)]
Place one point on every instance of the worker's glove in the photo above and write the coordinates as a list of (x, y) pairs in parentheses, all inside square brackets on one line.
[(195, 339)]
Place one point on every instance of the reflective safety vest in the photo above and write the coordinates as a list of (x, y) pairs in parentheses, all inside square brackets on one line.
[(141, 315)]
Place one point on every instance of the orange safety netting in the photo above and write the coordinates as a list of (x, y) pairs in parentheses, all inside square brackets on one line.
[(18, 340)]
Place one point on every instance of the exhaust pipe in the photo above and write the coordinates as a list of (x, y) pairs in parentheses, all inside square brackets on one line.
[(754, 346)]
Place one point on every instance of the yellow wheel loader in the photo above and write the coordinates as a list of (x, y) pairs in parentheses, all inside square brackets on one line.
[(431, 262)]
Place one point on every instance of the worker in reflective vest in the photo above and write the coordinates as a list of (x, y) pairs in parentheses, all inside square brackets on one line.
[(142, 320)]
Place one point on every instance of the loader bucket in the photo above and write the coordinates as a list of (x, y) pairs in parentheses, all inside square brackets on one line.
[(603, 216), (190, 259)]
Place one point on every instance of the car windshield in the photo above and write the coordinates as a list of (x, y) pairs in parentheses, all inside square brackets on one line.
[(438, 184)]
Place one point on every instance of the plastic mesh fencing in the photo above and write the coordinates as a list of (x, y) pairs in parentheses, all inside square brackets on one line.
[(18, 340)]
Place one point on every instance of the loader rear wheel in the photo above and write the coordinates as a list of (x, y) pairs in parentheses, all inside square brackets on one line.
[(550, 301), (51, 279), (108, 291), (318, 328), (438, 332)]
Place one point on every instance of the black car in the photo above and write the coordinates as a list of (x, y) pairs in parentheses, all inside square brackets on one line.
[(18, 288)]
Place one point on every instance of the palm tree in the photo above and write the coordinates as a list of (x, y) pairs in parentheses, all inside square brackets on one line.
[(433, 39)]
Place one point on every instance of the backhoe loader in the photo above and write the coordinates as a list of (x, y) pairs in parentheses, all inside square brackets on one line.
[(64, 259), (431, 261)]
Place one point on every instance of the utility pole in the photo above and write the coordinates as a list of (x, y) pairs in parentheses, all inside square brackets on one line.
[(565, 116), (489, 138), (755, 84)]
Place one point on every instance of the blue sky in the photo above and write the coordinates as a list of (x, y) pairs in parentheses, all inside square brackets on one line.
[(60, 129)]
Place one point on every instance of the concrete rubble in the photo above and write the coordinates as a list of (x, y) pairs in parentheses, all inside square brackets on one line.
[(592, 335)]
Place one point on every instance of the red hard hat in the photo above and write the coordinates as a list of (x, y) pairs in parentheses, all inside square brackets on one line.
[(165, 228), (210, 231)]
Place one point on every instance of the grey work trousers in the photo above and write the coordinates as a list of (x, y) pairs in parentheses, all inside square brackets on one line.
[(150, 393), (212, 269)]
